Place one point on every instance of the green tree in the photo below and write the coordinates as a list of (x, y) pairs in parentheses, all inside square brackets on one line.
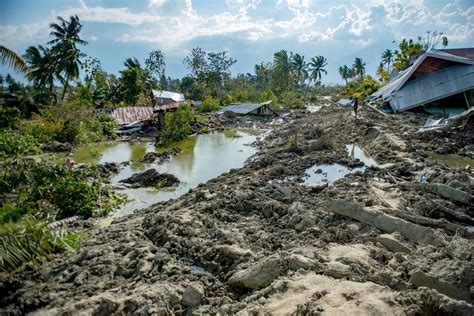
[(359, 68), (155, 64), (281, 72), (407, 50), (387, 58), (432, 39), (345, 73), (177, 125), (263, 74), (209, 105), (132, 84), (65, 40), (43, 66), (316, 67), (299, 68), (11, 59)]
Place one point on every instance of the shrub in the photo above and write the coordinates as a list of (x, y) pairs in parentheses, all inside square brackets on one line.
[(177, 125), (231, 133), (13, 144), (9, 116), (209, 105)]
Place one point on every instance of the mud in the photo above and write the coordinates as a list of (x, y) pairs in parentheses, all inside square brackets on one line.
[(266, 244)]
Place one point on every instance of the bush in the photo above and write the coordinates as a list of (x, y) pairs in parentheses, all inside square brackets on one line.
[(209, 105), (268, 95), (13, 144), (52, 190), (231, 133), (9, 116), (177, 125)]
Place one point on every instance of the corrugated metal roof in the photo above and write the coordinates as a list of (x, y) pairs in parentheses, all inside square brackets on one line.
[(437, 85), (176, 97), (387, 91), (127, 115), (241, 108)]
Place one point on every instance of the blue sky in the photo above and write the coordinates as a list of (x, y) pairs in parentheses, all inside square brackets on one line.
[(250, 30)]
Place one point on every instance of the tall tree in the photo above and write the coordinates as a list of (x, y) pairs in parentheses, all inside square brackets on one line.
[(316, 67), (407, 50), (345, 73), (299, 68), (387, 58), (155, 64), (263, 75), (65, 40), (359, 68), (432, 40), (11, 59), (281, 72), (196, 62), (43, 66)]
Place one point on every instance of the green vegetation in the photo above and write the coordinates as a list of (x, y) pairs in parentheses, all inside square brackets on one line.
[(209, 105), (30, 240), (231, 133), (177, 125)]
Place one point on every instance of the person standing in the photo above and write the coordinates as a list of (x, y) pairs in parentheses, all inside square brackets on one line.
[(356, 106)]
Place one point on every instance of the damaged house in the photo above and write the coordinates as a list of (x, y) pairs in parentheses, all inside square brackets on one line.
[(439, 81), (241, 109)]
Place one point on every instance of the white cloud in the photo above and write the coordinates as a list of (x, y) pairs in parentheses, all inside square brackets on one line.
[(172, 23)]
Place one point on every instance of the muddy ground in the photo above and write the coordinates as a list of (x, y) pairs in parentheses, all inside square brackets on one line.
[(258, 241)]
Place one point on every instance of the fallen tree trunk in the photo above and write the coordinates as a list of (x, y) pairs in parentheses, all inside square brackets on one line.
[(385, 222), (449, 192)]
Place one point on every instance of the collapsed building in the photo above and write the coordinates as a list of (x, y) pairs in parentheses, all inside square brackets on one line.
[(253, 109), (439, 81)]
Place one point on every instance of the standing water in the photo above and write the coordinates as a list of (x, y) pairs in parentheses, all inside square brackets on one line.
[(203, 157)]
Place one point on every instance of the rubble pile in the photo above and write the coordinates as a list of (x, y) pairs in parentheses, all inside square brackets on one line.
[(392, 238)]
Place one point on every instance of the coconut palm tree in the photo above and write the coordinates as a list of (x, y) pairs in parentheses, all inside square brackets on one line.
[(316, 68), (65, 40), (43, 66), (387, 58), (281, 71), (11, 59), (346, 73), (298, 66), (359, 68)]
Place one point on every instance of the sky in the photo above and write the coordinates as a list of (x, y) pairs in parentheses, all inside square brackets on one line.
[(250, 30)]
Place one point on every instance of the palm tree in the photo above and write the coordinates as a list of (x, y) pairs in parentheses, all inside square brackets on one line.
[(316, 67), (13, 60), (43, 65), (345, 73), (132, 63), (66, 37), (281, 71), (387, 58), (299, 66), (359, 68)]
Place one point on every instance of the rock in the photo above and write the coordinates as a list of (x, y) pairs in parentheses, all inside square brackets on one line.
[(271, 207), (317, 187), (193, 295), (296, 262), (258, 275), (337, 270), (449, 192), (388, 223), (55, 146), (420, 278), (151, 157), (150, 178), (232, 251), (108, 169), (392, 243)]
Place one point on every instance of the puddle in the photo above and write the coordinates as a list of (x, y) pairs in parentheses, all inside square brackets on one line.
[(330, 173), (357, 152), (452, 160), (333, 172)]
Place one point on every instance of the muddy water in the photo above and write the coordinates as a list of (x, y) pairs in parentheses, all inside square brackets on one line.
[(204, 157), (334, 172)]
